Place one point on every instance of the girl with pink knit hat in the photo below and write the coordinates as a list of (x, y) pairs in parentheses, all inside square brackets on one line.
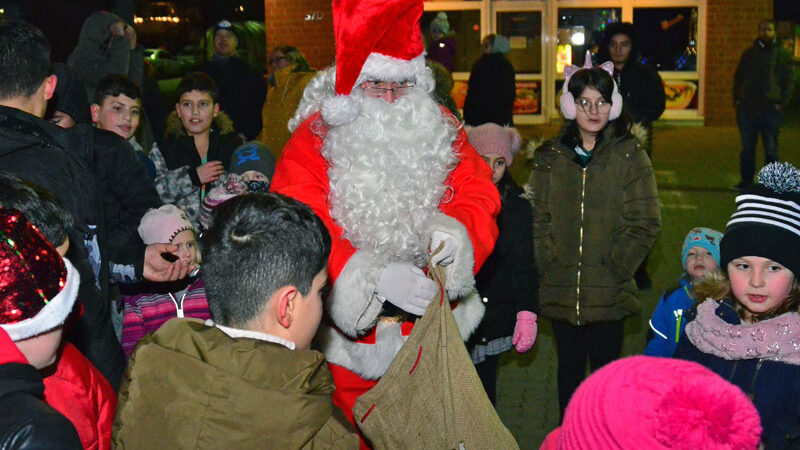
[(507, 282), (146, 312)]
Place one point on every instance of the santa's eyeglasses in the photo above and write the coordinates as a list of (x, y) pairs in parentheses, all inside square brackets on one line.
[(377, 89)]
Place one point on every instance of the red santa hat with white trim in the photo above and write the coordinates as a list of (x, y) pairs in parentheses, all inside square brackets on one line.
[(37, 286), (375, 39)]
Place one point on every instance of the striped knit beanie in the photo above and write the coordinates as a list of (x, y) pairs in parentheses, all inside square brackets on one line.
[(767, 219)]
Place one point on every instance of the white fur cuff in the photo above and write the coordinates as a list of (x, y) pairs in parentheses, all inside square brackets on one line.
[(460, 278), (468, 314), (352, 304), (369, 361)]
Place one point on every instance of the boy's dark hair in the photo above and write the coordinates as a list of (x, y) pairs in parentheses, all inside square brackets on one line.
[(600, 80), (24, 59), (198, 81), (257, 244), (115, 84), (39, 205)]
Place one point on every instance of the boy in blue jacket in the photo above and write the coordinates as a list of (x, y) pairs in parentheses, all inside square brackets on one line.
[(699, 254)]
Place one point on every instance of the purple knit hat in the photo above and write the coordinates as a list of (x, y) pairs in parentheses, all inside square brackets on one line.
[(658, 403), (491, 138)]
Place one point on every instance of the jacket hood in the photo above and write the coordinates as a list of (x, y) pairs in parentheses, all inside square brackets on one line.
[(236, 382), (97, 28), (9, 353), (222, 124)]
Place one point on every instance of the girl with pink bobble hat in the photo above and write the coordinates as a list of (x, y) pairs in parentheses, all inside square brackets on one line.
[(507, 282)]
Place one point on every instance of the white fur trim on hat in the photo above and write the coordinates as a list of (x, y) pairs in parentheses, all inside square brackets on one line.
[(53, 314), (387, 68)]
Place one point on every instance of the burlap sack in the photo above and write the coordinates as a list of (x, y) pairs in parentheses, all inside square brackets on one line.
[(431, 396)]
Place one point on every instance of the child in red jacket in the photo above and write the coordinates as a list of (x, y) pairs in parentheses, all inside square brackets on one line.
[(72, 385)]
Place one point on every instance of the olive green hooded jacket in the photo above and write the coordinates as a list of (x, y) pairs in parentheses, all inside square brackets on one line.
[(592, 227), (191, 386)]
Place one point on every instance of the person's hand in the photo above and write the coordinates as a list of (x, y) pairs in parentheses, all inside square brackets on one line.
[(524, 331), (158, 269), (130, 34), (447, 254), (117, 29), (406, 286), (210, 171)]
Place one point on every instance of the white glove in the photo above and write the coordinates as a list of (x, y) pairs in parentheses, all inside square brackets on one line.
[(406, 286), (447, 254)]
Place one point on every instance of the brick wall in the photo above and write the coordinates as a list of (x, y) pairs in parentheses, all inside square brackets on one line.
[(732, 26), (286, 24)]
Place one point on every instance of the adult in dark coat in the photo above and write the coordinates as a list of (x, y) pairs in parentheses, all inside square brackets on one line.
[(762, 88), (642, 92), (42, 153), (639, 83), (242, 90), (492, 88)]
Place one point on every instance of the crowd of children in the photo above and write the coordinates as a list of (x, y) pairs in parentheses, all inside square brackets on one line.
[(221, 356)]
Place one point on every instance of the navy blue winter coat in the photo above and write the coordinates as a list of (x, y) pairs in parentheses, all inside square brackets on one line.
[(774, 387)]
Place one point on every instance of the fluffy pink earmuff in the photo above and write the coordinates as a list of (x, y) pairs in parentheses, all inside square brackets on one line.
[(568, 108)]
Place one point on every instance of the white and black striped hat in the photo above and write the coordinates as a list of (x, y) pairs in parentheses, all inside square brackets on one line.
[(767, 219)]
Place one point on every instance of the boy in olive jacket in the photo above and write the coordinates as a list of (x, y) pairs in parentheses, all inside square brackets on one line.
[(246, 378)]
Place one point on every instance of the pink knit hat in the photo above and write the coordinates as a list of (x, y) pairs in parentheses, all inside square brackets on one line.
[(658, 403), (491, 138), (161, 225)]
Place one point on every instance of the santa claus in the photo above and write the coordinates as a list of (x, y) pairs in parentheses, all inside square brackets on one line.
[(392, 176)]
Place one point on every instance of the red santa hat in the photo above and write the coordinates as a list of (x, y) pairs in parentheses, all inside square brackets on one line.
[(37, 286), (366, 33)]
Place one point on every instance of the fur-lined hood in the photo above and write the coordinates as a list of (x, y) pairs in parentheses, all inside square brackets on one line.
[(222, 124)]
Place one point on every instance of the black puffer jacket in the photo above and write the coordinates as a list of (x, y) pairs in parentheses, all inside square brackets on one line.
[(508, 281), (491, 92), (42, 153), (642, 91), (124, 189)]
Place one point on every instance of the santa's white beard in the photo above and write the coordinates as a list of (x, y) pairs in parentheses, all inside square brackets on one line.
[(387, 174)]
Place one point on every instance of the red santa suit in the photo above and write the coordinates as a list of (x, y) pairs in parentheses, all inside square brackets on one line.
[(361, 345)]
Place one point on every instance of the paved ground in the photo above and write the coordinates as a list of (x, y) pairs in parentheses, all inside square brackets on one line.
[(695, 166)]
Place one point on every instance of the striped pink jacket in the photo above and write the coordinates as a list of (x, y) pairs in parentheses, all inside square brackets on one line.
[(145, 313)]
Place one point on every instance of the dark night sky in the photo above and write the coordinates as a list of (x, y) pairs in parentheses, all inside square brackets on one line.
[(61, 20), (787, 10)]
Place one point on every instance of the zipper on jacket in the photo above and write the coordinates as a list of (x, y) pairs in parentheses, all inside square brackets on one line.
[(580, 251), (179, 305), (752, 393)]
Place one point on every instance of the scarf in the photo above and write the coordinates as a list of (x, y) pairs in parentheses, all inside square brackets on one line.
[(776, 339)]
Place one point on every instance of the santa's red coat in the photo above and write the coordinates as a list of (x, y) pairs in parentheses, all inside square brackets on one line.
[(472, 200)]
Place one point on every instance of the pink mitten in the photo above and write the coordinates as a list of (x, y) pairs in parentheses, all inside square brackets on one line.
[(524, 331)]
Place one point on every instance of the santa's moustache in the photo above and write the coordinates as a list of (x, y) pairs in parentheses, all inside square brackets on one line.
[(388, 169)]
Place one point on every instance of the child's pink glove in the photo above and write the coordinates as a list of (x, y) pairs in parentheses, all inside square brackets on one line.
[(525, 331)]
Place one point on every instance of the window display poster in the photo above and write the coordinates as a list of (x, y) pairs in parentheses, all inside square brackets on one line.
[(527, 101)]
